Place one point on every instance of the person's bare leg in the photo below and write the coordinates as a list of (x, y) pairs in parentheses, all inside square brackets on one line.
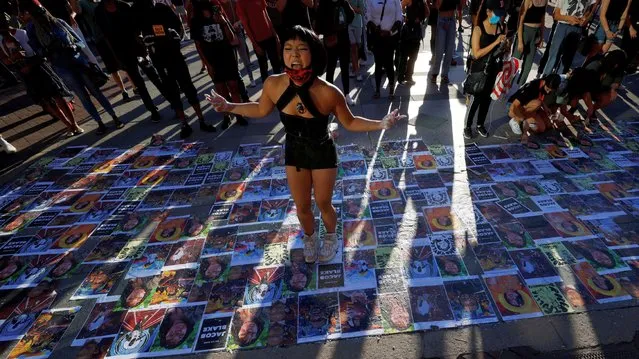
[(300, 183), (62, 105), (53, 109), (596, 49), (234, 91), (323, 184), (124, 76), (355, 58), (118, 80)]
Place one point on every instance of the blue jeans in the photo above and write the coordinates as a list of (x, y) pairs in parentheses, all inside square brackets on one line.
[(444, 45), (561, 32), (82, 86)]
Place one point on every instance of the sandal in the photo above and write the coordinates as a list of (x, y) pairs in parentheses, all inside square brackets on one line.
[(310, 248), (328, 249)]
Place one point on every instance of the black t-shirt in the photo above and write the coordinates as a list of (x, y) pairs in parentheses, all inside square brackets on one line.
[(295, 13), (605, 77), (534, 90), (448, 5), (161, 28), (210, 34), (581, 81), (271, 9), (121, 28)]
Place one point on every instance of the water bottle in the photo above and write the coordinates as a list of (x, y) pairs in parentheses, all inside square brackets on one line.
[(332, 130)]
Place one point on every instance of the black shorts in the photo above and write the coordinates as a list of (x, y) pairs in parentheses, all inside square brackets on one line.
[(306, 154)]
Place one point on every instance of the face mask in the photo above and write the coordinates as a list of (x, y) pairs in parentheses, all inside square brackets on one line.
[(494, 19), (299, 76)]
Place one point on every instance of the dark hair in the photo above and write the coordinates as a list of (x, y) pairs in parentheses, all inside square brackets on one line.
[(552, 81), (167, 324), (614, 62), (318, 52)]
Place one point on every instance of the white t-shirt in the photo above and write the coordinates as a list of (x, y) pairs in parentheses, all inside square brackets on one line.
[(576, 8), (392, 13)]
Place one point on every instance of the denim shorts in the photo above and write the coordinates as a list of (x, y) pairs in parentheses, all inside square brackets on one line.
[(600, 34), (355, 35)]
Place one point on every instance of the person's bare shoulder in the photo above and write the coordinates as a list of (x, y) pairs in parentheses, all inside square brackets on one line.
[(327, 90), (275, 85)]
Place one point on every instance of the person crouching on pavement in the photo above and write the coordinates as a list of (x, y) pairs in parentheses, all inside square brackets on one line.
[(528, 112)]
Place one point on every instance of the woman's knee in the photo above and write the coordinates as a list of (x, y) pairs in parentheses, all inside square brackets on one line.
[(325, 206), (304, 210)]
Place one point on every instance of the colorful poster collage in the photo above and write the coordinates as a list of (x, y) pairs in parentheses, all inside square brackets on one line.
[(184, 249)]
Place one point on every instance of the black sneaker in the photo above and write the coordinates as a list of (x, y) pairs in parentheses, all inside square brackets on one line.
[(118, 124), (460, 29), (102, 129), (155, 117), (241, 121), (207, 127), (186, 131), (226, 122), (126, 97), (468, 133), (482, 131)]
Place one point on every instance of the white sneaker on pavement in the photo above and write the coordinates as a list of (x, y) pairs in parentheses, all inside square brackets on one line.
[(349, 100), (310, 247), (6, 146), (514, 126)]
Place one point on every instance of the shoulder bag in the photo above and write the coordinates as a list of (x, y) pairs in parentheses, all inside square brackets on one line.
[(373, 30)]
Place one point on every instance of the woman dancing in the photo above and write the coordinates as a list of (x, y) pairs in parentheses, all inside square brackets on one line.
[(305, 102)]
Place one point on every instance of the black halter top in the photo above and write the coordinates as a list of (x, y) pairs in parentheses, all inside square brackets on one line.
[(313, 129)]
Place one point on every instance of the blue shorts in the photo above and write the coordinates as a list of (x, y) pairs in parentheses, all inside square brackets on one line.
[(600, 34)]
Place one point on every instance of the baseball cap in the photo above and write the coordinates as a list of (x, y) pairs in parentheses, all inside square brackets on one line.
[(497, 6)]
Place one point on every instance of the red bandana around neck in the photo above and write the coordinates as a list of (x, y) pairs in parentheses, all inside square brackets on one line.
[(299, 76)]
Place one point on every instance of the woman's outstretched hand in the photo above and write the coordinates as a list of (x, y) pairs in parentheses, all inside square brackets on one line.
[(218, 101), (389, 120)]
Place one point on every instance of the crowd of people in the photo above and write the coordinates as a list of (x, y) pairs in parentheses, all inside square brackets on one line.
[(50, 45), (551, 99)]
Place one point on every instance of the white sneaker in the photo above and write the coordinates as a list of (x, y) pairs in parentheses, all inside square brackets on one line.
[(6, 146), (349, 100), (360, 78), (310, 248), (252, 83), (514, 126)]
